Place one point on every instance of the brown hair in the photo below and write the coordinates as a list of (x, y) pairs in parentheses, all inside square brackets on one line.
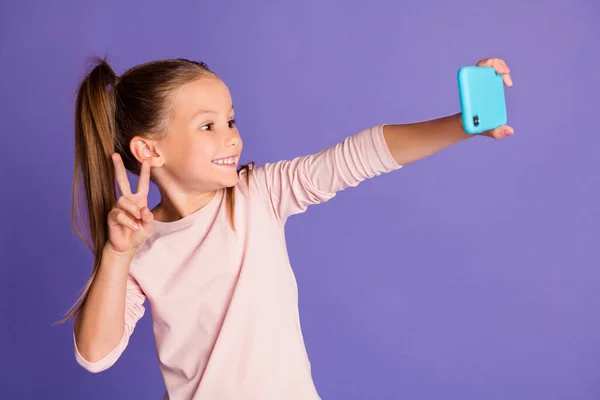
[(109, 112)]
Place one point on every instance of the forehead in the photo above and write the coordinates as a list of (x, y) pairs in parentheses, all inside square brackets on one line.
[(206, 93)]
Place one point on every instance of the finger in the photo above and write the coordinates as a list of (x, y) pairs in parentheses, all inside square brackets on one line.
[(147, 215), (121, 217), (486, 62), (147, 219), (129, 206), (500, 67), (144, 181), (503, 131), (497, 63), (502, 64), (121, 175)]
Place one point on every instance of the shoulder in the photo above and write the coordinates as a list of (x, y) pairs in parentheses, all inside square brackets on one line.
[(249, 178), (254, 186)]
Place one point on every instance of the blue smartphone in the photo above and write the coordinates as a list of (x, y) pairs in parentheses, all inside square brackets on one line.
[(482, 101)]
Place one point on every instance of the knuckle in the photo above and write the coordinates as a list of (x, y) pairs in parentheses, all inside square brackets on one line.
[(123, 217), (112, 215), (126, 204), (123, 202)]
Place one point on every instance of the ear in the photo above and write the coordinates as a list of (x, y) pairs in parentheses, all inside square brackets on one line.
[(146, 149)]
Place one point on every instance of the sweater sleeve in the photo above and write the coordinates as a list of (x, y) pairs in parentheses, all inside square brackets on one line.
[(134, 310), (291, 186)]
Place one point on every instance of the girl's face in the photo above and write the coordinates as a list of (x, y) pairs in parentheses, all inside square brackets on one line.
[(202, 148)]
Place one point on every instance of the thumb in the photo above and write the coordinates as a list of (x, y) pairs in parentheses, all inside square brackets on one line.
[(147, 219), (507, 130)]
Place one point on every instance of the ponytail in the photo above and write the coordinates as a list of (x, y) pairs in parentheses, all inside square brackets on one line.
[(94, 174), (138, 103)]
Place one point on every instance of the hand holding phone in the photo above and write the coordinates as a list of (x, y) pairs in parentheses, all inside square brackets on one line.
[(482, 101)]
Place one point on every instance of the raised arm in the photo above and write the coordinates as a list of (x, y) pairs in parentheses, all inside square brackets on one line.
[(411, 142), (291, 186), (108, 318), (114, 302)]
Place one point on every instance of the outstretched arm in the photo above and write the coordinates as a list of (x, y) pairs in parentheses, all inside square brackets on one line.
[(411, 142), (291, 186)]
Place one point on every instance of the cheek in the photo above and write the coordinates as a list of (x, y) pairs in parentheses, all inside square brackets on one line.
[(200, 153), (190, 153)]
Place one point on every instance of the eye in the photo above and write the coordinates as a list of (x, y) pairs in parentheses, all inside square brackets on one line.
[(207, 127), (232, 123)]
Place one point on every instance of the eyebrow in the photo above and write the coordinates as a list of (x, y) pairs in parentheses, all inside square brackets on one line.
[(204, 111)]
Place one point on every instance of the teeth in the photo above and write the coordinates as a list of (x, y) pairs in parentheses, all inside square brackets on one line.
[(221, 161)]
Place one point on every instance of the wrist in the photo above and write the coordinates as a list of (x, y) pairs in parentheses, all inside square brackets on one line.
[(112, 256), (459, 121)]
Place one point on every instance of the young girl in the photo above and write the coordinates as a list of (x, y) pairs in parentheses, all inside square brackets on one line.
[(211, 257)]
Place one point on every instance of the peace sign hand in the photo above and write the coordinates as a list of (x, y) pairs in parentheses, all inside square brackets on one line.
[(130, 220)]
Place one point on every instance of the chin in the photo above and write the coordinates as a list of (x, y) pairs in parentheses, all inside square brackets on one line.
[(224, 179), (229, 182)]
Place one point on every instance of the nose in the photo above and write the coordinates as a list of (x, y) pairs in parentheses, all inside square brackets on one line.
[(233, 139)]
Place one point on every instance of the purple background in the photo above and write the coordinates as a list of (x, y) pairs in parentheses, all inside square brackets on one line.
[(472, 274)]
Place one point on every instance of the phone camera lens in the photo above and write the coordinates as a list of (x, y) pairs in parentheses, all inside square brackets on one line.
[(476, 120)]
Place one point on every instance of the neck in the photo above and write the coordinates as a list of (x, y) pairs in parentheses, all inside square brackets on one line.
[(175, 205)]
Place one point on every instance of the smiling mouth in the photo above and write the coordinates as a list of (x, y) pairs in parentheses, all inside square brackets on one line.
[(226, 162)]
